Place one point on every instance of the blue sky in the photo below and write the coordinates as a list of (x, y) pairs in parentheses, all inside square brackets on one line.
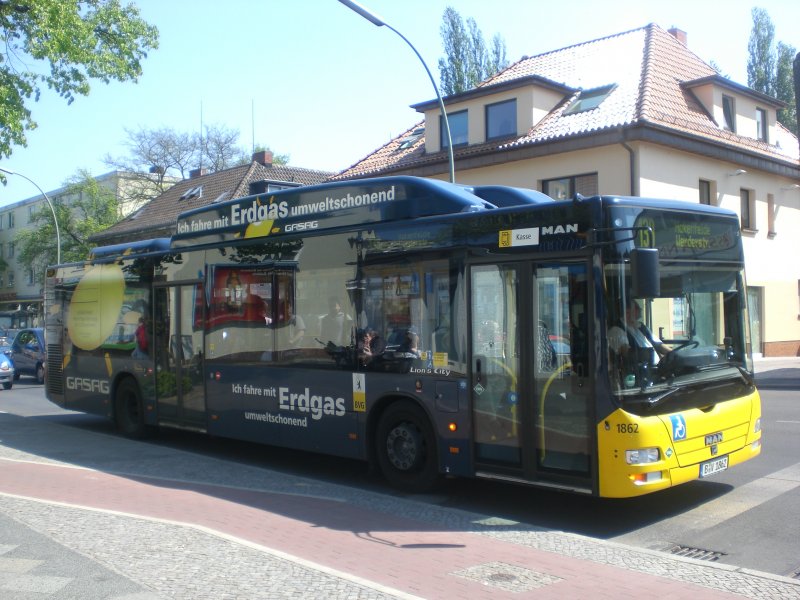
[(311, 79)]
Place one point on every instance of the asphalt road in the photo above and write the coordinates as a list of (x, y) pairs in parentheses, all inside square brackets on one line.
[(746, 517)]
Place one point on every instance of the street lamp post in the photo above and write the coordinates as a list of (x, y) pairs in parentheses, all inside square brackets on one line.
[(376, 20), (50, 204)]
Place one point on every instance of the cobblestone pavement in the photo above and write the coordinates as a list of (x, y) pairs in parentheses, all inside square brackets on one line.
[(170, 524)]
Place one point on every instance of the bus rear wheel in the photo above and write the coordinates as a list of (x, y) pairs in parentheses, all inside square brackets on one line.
[(129, 410), (406, 448)]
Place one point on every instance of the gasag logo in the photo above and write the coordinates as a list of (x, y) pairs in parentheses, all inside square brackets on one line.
[(85, 384)]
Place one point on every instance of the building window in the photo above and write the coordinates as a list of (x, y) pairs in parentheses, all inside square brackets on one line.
[(10, 249), (1, 279), (589, 99), (748, 216), (11, 220), (31, 277), (705, 192), (501, 119), (729, 112), (458, 129), (761, 125), (566, 187), (11, 279)]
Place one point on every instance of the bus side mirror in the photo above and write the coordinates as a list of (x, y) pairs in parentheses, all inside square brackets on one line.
[(646, 281)]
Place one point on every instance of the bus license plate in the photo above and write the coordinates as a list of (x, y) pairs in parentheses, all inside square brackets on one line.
[(712, 467)]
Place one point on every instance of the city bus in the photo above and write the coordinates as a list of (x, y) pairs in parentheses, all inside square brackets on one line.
[(429, 329)]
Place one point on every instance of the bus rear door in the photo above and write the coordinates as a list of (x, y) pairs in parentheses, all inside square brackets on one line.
[(178, 345), (531, 396)]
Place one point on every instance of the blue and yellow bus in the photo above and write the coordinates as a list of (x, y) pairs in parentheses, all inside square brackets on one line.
[(431, 329)]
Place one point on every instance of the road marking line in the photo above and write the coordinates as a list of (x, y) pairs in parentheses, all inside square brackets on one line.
[(741, 499)]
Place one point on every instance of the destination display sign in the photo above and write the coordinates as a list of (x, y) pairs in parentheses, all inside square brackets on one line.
[(684, 235)]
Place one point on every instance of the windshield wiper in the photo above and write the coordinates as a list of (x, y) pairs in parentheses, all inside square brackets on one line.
[(653, 399), (659, 399)]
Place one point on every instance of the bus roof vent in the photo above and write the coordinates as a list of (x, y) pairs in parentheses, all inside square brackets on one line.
[(503, 196)]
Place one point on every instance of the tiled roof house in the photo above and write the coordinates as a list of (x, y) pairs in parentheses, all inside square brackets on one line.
[(640, 85), (639, 114), (158, 217)]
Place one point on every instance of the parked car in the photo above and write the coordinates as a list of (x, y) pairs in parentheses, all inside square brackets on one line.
[(28, 352), (6, 364)]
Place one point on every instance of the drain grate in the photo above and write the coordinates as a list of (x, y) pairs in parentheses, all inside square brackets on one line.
[(696, 553)]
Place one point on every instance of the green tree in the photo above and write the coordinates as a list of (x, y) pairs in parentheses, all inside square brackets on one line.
[(467, 60), (769, 67), (63, 45), (85, 208), (784, 86)]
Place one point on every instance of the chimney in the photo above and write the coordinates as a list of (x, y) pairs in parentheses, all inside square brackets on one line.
[(680, 35), (195, 173), (263, 157)]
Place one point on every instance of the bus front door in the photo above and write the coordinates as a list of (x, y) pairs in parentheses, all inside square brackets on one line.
[(178, 331), (531, 397)]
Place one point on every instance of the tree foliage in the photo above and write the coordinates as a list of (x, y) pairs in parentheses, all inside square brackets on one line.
[(769, 66), (86, 207), (63, 45), (467, 60)]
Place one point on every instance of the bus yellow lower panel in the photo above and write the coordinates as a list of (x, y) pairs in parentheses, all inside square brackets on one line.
[(638, 455)]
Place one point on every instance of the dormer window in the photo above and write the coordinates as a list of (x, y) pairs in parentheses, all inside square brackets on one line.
[(501, 119), (729, 113), (589, 99), (458, 129), (761, 125)]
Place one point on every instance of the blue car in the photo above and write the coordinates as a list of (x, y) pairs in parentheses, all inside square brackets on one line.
[(28, 352), (6, 365)]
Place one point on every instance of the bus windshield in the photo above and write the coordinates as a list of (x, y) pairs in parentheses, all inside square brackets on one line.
[(695, 331)]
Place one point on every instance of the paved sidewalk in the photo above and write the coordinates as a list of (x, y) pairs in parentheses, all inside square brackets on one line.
[(187, 526)]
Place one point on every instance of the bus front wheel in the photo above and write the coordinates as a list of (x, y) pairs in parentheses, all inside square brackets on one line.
[(128, 410), (406, 448)]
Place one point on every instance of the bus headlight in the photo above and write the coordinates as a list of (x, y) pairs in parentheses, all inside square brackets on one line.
[(642, 456), (757, 426)]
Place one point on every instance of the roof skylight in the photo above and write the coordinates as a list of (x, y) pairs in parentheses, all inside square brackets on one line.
[(589, 99)]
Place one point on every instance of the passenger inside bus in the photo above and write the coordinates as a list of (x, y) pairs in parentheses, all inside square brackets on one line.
[(335, 325), (370, 347), (410, 343)]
